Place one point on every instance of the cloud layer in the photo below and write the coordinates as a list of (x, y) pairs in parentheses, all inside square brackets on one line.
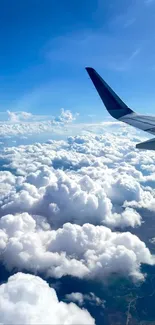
[(24, 123), (61, 205), (59, 199), (99, 179)]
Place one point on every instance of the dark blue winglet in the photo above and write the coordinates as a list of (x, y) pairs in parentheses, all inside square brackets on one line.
[(115, 106)]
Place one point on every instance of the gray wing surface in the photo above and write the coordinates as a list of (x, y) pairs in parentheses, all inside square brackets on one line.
[(120, 111), (142, 122)]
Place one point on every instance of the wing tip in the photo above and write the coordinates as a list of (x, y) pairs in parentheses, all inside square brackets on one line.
[(89, 69), (113, 103)]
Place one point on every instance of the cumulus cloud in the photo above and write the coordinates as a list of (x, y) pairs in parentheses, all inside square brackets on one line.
[(82, 199), (66, 116), (18, 116), (61, 206), (86, 251), (24, 123), (80, 298), (77, 297), (94, 185), (58, 196), (24, 128), (27, 299)]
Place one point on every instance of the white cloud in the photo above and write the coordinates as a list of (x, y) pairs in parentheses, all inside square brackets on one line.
[(27, 299), (90, 178), (25, 123), (77, 297), (18, 116), (83, 251), (58, 201), (24, 128), (66, 116), (82, 199), (80, 298), (94, 168)]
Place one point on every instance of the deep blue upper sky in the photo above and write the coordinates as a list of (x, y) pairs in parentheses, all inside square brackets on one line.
[(45, 46)]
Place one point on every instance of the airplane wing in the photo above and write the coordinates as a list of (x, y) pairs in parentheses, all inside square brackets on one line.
[(120, 111)]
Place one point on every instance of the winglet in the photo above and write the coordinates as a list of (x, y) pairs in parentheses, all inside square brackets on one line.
[(115, 106)]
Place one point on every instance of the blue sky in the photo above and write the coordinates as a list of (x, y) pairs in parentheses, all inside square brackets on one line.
[(45, 46)]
